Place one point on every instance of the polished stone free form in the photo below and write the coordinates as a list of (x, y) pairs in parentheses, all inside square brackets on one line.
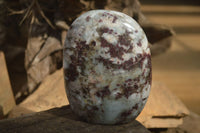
[(107, 67)]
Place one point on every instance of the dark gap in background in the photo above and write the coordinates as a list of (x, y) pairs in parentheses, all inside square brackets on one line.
[(171, 2)]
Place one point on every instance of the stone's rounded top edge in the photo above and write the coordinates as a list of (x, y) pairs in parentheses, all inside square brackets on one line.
[(102, 10), (108, 11), (122, 19)]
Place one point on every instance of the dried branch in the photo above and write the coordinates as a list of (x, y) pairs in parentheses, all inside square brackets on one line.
[(43, 15), (13, 12), (28, 12)]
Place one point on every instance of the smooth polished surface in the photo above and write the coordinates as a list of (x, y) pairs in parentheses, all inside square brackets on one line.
[(107, 65)]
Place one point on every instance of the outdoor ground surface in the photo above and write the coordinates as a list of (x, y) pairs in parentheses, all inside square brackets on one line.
[(179, 67)]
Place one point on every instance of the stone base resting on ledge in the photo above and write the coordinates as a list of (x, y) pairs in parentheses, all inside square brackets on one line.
[(62, 120)]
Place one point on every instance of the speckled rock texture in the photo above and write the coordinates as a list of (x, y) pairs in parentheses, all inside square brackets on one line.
[(107, 67)]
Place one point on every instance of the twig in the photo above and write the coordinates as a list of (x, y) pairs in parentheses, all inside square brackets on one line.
[(43, 15), (13, 12), (28, 12)]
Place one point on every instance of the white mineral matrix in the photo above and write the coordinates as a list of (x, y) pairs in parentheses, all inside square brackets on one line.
[(107, 67)]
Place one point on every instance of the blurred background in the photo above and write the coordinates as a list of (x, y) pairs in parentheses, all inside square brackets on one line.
[(179, 67)]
